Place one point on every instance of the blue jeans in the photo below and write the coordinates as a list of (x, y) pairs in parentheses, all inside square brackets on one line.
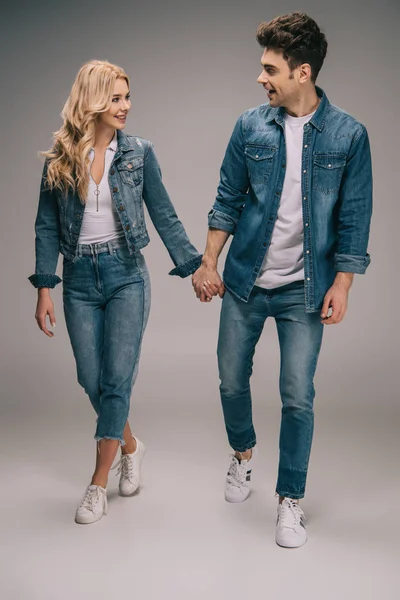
[(300, 337), (106, 293)]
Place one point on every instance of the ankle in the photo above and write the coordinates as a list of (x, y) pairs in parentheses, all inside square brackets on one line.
[(246, 455), (99, 480), (129, 447)]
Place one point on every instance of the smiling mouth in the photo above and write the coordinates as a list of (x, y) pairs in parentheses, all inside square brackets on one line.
[(121, 118)]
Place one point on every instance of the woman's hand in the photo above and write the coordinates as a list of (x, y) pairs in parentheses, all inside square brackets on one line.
[(207, 283), (45, 307)]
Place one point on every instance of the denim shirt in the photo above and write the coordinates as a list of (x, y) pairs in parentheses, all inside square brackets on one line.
[(336, 184), (134, 177)]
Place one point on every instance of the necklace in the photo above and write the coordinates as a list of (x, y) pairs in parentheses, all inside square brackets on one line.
[(96, 193)]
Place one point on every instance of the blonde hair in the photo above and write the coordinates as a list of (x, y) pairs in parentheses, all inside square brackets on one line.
[(91, 94)]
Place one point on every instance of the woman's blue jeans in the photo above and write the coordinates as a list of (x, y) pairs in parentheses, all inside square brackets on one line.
[(106, 293), (300, 337)]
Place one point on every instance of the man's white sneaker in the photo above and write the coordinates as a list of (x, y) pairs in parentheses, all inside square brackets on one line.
[(93, 505), (290, 529), (129, 469), (237, 480)]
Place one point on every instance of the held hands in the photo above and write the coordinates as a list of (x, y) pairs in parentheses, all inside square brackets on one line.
[(207, 283), (45, 307)]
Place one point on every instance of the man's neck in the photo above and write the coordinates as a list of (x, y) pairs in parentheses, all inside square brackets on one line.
[(304, 105)]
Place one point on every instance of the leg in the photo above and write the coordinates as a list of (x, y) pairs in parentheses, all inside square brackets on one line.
[(300, 337), (84, 317), (241, 325)]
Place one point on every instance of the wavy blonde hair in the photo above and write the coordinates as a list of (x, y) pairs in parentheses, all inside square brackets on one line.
[(91, 94)]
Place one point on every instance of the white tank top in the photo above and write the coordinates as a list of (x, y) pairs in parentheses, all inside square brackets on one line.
[(101, 222)]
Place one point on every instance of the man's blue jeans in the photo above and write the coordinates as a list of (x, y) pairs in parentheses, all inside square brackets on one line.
[(300, 337), (106, 294)]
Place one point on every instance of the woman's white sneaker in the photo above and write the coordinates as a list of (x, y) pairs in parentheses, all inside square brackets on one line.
[(93, 505), (290, 529), (238, 479), (129, 469)]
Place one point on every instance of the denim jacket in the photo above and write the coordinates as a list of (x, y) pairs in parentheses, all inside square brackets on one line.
[(134, 176), (336, 184)]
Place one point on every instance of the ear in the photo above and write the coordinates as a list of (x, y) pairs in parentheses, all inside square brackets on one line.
[(304, 73)]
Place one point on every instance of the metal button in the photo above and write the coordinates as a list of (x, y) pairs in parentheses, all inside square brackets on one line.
[(305, 171), (256, 155), (329, 166), (129, 166), (305, 197), (306, 146), (307, 252), (112, 171), (308, 279), (115, 189), (121, 207), (127, 227), (306, 224), (264, 244)]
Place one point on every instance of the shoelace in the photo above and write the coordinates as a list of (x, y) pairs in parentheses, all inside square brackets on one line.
[(237, 472), (290, 514), (124, 466), (90, 498)]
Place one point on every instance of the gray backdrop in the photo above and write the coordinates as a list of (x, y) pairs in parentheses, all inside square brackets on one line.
[(193, 69)]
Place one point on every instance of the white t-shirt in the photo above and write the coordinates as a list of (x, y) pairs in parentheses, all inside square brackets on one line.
[(284, 261), (101, 222)]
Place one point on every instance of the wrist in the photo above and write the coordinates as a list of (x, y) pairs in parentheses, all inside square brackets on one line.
[(43, 291), (209, 262), (344, 279)]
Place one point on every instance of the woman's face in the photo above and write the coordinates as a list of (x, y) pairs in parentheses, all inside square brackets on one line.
[(115, 116)]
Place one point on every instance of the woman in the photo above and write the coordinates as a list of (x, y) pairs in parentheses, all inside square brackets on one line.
[(94, 182)]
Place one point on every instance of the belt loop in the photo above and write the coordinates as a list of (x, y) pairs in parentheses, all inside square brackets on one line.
[(110, 247), (80, 250)]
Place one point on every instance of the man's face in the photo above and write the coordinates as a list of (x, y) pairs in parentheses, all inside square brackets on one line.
[(281, 84)]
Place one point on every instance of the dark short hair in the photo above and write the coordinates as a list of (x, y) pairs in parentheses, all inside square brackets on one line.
[(299, 38)]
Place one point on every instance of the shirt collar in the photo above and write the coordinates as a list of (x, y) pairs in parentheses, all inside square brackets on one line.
[(318, 119)]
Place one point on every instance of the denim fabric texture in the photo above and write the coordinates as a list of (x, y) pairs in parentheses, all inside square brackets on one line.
[(134, 178), (106, 294), (300, 338), (336, 185)]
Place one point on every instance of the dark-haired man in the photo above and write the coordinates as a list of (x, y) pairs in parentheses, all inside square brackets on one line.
[(296, 195)]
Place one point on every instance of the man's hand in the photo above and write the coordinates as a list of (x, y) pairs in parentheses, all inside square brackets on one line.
[(207, 283), (336, 298), (45, 307)]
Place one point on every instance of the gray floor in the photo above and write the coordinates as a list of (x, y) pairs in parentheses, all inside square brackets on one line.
[(178, 538)]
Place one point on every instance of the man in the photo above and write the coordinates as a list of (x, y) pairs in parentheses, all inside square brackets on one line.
[(296, 195)]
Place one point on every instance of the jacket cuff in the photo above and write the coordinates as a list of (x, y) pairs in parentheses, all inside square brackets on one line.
[(39, 280), (220, 220), (188, 267), (350, 263)]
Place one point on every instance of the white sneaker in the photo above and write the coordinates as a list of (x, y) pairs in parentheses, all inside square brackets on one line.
[(93, 505), (290, 529), (237, 480), (129, 469)]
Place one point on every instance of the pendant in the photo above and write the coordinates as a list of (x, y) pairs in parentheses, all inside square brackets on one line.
[(96, 193)]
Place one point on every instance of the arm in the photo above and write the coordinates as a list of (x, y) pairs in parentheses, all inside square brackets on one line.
[(161, 210), (354, 217), (47, 242), (206, 281), (233, 186), (224, 216)]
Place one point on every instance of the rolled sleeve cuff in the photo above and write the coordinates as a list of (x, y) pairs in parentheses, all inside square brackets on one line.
[(350, 263), (188, 267), (220, 220), (39, 280)]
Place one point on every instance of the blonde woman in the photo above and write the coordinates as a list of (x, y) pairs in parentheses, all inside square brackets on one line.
[(94, 182)]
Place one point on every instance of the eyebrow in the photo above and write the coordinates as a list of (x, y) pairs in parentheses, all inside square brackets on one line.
[(268, 66), (120, 95)]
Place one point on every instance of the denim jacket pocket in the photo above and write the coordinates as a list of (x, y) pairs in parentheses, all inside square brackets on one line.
[(327, 171), (259, 160), (131, 170)]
